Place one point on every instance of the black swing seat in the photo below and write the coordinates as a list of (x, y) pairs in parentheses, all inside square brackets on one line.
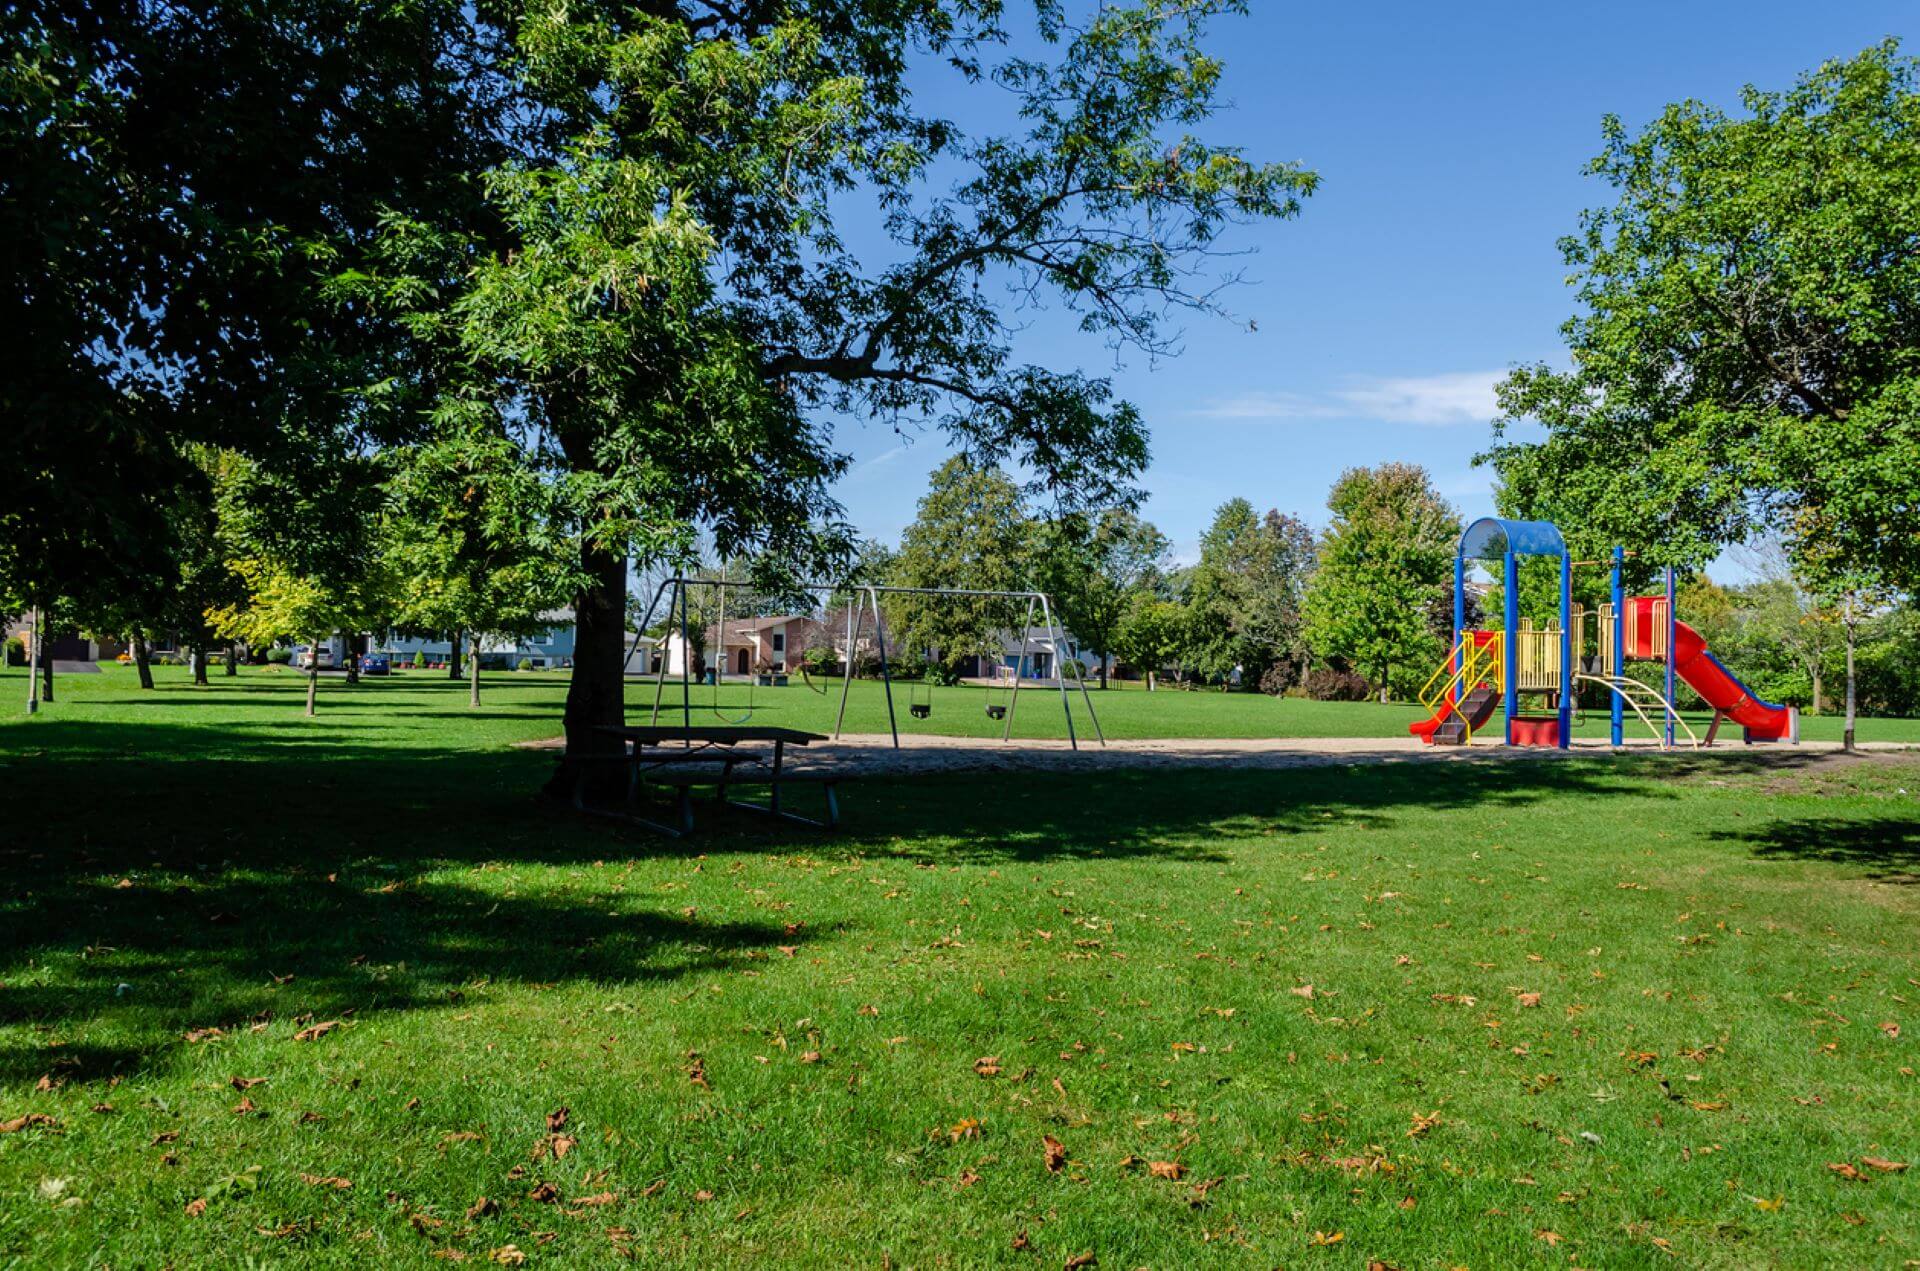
[(996, 712), (920, 710)]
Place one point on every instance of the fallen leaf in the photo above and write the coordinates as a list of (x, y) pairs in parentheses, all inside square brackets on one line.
[(1551, 1237), (965, 1128), (1890, 1028), (1056, 1152), (246, 1083), (333, 1181), (194, 1035), (987, 1065), (1167, 1169), (196, 1207), (561, 1144), (697, 1070), (544, 1193), (459, 1136), (1302, 990), (1079, 1260), (703, 1196), (810, 1057), (314, 1032), (1770, 1206), (1528, 999), (482, 1208), (508, 1256), (598, 1198), (557, 1119), (967, 1179), (1422, 1122), (1327, 1237), (22, 1122), (245, 1106), (1883, 1165)]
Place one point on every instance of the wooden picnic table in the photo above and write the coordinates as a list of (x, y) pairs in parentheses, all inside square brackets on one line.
[(671, 755)]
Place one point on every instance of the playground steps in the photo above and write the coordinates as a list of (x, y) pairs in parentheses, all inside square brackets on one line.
[(1476, 706)]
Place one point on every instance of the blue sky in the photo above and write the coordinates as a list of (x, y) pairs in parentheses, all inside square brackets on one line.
[(1449, 139)]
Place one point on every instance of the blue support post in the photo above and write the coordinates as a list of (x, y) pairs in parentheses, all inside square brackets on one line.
[(1671, 705), (1619, 641), (1460, 622), (1510, 697), (1566, 651)]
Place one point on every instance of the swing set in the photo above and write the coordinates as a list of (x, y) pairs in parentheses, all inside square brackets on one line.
[(1002, 697)]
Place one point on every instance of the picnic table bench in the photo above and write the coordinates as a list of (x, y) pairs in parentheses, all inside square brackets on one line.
[(679, 758)]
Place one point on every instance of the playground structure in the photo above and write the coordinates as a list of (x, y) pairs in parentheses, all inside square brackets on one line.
[(1521, 664), (1002, 699)]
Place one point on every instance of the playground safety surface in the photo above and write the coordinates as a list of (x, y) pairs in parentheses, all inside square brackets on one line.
[(874, 753)]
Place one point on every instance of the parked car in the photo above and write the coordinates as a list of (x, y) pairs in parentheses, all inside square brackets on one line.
[(303, 657), (376, 664)]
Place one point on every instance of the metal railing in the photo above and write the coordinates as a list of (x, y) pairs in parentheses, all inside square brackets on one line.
[(1471, 662)]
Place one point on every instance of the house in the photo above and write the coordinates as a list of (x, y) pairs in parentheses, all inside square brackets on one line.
[(546, 649), (1038, 662), (772, 644)]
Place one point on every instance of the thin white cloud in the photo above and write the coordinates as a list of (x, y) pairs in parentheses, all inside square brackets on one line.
[(1267, 406), (1454, 397), (880, 460), (1457, 397)]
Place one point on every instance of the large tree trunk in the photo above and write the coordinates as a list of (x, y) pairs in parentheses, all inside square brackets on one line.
[(142, 659), (346, 651), (473, 671), (198, 656), (232, 658), (46, 673), (1818, 691), (453, 655), (596, 692), (313, 673)]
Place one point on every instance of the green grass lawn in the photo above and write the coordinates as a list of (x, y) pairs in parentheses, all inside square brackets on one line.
[(455, 1022)]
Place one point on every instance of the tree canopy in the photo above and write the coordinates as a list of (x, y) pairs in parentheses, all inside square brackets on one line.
[(1386, 553)]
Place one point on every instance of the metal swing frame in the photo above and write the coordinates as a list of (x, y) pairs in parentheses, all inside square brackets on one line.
[(867, 598)]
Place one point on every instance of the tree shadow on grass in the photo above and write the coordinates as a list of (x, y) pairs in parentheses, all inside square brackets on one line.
[(201, 866), (156, 961), (1884, 848)]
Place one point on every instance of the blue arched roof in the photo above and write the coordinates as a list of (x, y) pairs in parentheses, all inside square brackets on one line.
[(1492, 537)]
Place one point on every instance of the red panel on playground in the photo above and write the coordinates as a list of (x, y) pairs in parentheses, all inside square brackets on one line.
[(1536, 730)]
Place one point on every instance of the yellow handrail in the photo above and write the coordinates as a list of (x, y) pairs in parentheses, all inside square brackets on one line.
[(1478, 660)]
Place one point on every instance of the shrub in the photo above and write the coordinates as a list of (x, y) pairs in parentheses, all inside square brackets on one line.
[(1278, 678), (525, 664), (1331, 684), (420, 659), (279, 657), (16, 651), (1073, 668)]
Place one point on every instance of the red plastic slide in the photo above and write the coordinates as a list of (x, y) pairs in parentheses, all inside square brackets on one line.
[(1704, 673)]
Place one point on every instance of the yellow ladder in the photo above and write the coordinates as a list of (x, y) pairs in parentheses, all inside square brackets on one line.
[(1477, 661)]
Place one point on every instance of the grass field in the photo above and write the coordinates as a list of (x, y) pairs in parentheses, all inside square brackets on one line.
[(343, 991)]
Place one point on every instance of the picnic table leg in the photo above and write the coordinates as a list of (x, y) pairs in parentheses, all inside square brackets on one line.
[(773, 787)]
